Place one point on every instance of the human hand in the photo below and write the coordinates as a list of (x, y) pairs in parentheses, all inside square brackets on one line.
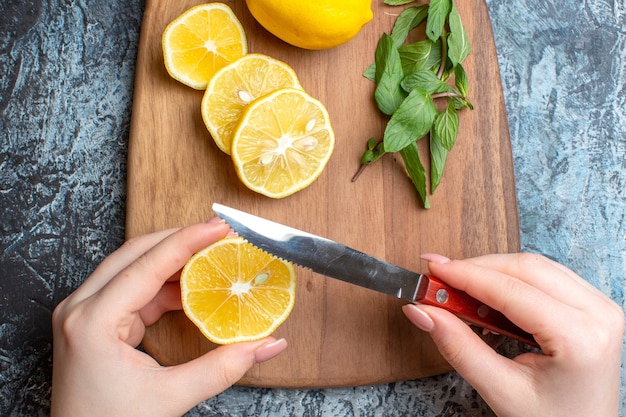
[(579, 329), (98, 371)]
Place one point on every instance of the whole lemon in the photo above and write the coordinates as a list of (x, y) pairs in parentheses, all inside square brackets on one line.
[(312, 24)]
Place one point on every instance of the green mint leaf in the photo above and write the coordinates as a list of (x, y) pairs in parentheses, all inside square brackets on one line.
[(371, 143), (434, 58), (425, 80), (375, 150), (458, 40), (461, 103), (408, 20), (388, 93), (367, 157), (411, 121), (438, 155), (398, 2), (379, 150), (415, 169), (419, 55), (446, 126), (381, 55), (460, 80), (438, 11), (370, 72)]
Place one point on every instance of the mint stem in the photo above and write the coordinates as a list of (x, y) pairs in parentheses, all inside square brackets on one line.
[(446, 94), (359, 172)]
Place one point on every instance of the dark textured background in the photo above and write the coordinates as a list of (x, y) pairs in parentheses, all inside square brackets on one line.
[(65, 106)]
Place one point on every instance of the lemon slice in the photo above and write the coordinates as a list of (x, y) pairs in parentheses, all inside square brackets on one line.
[(282, 143), (200, 41), (234, 86), (235, 292)]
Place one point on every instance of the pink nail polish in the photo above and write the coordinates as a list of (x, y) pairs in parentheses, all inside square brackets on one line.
[(269, 350), (418, 317), (435, 258)]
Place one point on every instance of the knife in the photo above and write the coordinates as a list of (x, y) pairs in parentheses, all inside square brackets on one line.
[(338, 261)]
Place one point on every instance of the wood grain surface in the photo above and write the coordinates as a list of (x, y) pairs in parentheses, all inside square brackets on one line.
[(338, 335)]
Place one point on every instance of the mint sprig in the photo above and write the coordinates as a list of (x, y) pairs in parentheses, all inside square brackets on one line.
[(409, 79)]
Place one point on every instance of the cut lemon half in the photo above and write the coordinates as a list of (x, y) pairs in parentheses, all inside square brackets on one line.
[(233, 87), (200, 41), (235, 292), (282, 143)]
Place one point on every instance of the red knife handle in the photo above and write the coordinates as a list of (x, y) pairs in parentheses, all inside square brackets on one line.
[(436, 293)]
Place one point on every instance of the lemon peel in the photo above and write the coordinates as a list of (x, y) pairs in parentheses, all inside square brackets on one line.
[(312, 24)]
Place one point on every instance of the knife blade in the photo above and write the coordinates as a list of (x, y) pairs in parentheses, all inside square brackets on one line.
[(335, 260)]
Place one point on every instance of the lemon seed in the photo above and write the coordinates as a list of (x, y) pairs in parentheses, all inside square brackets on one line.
[(266, 159), (261, 278), (308, 143), (244, 96)]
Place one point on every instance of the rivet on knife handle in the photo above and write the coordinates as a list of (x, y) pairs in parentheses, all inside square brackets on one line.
[(469, 309)]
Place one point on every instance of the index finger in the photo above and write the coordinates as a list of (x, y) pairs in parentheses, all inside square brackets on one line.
[(525, 305), (136, 285), (551, 277), (117, 261)]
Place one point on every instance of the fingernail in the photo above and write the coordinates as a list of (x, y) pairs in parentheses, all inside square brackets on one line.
[(418, 317), (216, 220), (435, 258), (232, 233), (269, 350)]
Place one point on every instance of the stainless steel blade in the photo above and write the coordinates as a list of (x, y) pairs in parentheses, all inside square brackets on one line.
[(322, 255)]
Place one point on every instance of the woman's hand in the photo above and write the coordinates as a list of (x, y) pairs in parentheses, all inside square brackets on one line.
[(98, 371), (579, 329)]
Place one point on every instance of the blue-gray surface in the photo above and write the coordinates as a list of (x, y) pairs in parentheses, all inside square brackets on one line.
[(65, 101)]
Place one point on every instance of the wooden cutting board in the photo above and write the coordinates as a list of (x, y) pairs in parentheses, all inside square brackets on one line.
[(338, 335)]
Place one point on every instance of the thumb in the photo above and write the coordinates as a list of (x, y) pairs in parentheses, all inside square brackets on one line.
[(217, 370), (491, 374)]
